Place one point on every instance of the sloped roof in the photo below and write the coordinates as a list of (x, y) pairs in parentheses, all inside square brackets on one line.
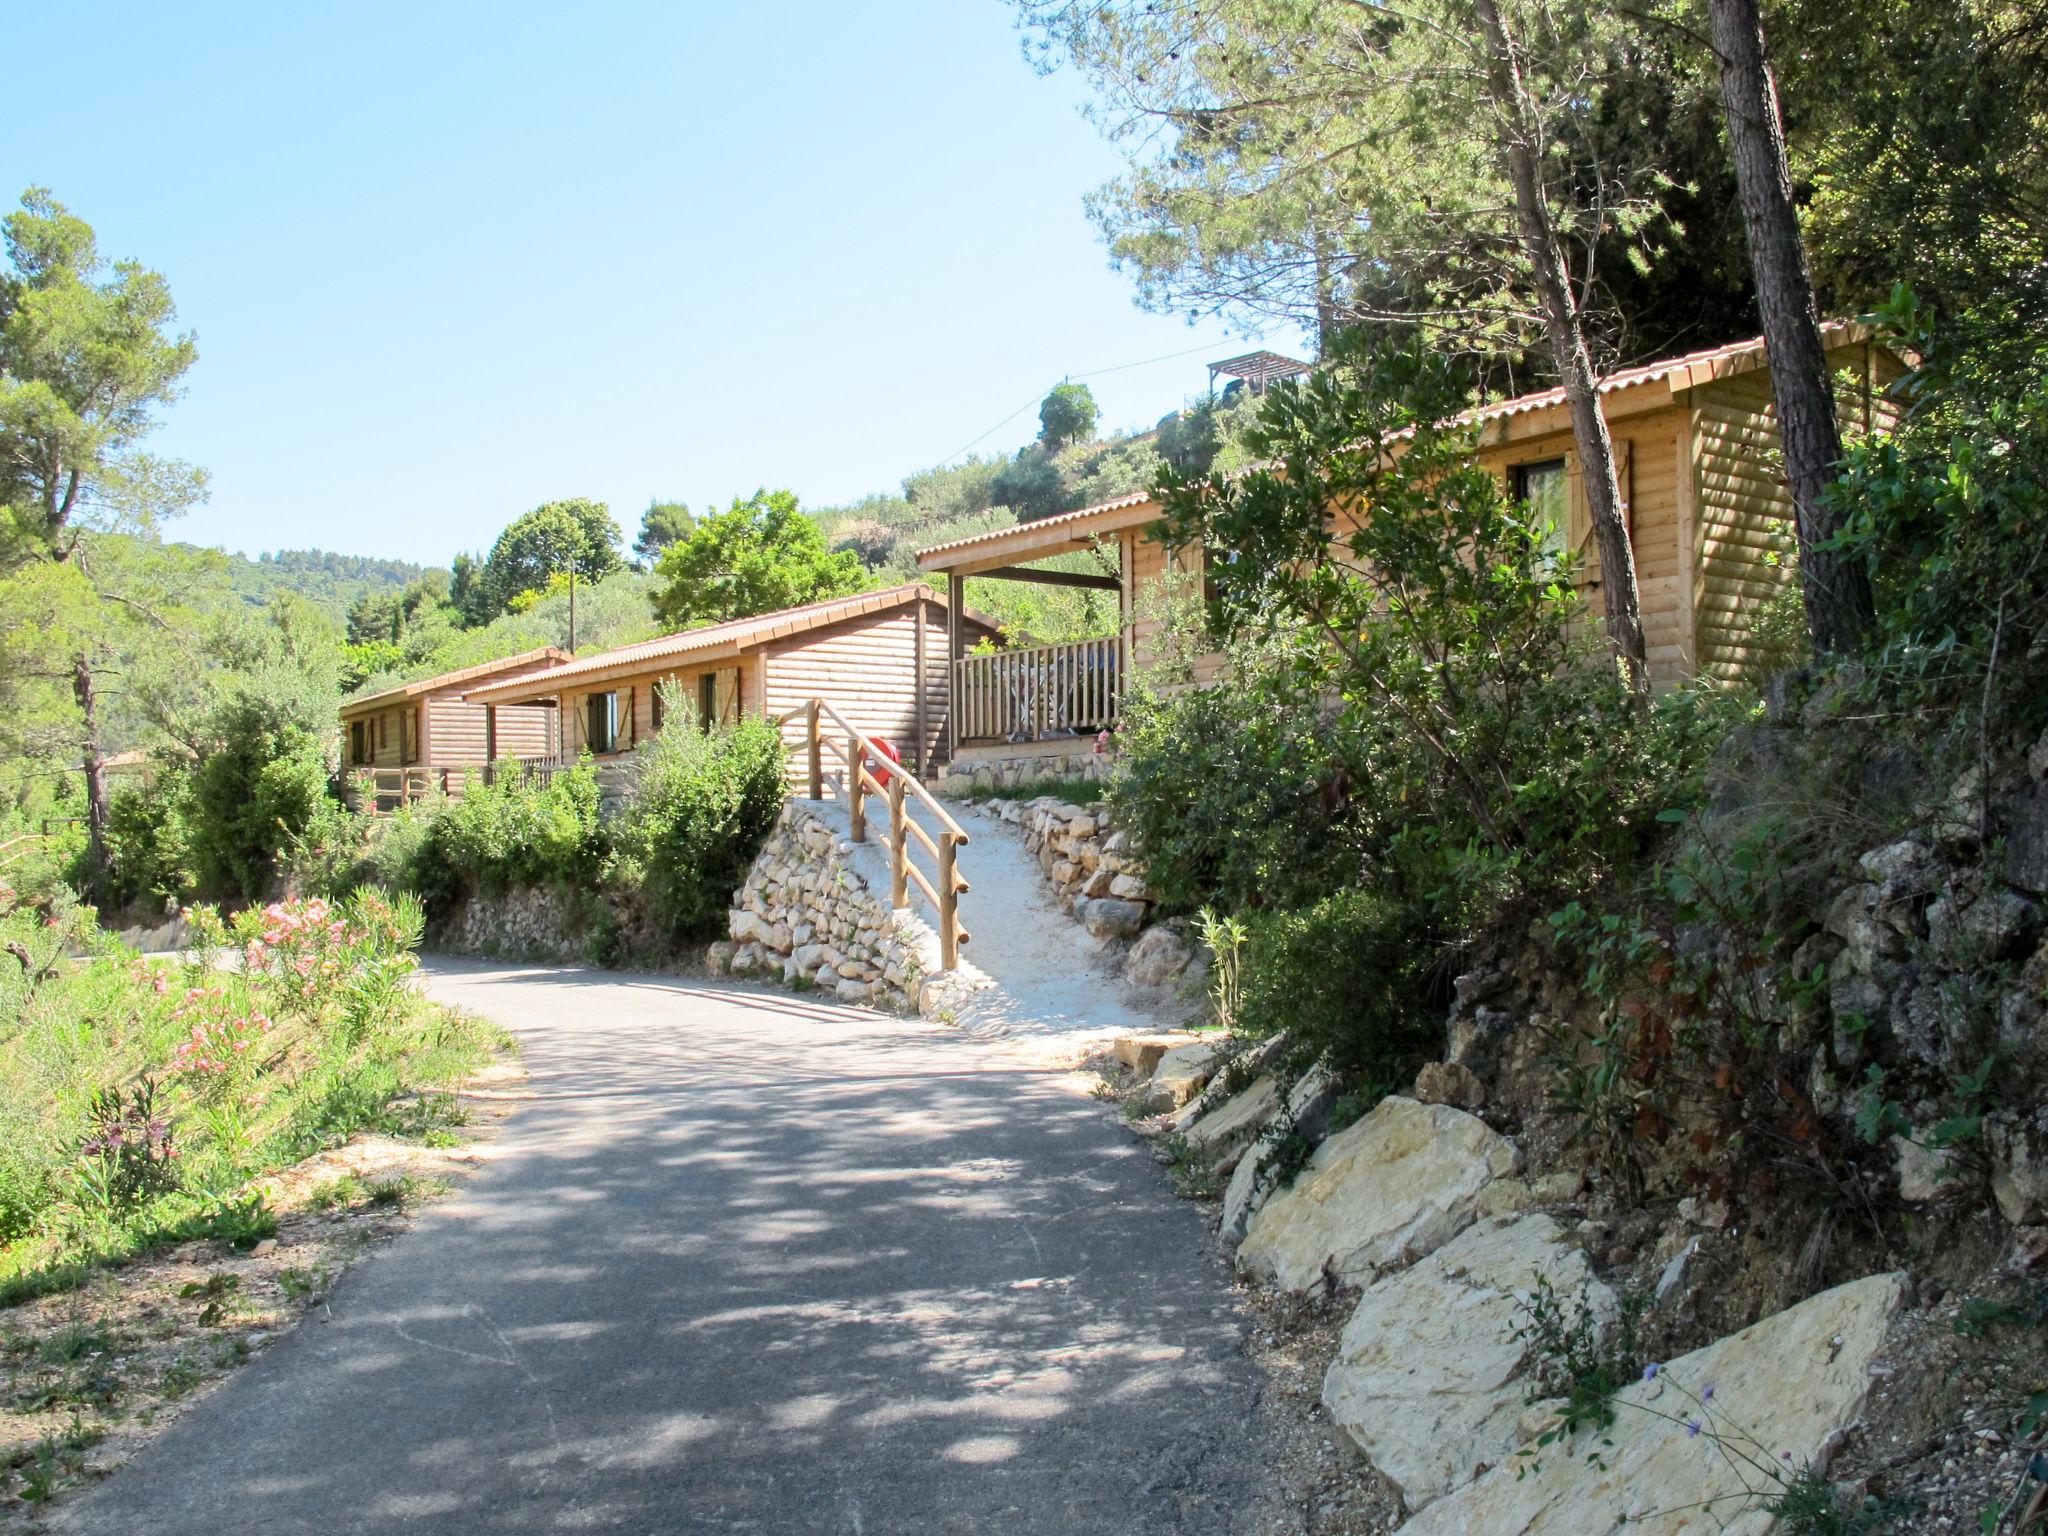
[(527, 660), (1057, 520), (1681, 373), (1686, 372), (729, 637)]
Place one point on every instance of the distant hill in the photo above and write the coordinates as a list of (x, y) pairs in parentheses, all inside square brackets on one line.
[(329, 581)]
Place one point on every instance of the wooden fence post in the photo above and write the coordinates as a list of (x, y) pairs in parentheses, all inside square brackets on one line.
[(949, 904), (817, 751), (899, 846), (856, 796)]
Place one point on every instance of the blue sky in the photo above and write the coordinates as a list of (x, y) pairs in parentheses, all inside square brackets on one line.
[(446, 262)]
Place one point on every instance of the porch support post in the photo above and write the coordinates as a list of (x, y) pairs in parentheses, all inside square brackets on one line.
[(490, 743), (956, 631), (922, 753)]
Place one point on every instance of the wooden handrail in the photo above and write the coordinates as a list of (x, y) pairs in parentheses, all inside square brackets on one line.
[(946, 886)]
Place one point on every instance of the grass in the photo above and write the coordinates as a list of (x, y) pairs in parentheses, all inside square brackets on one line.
[(1073, 791), (141, 1104)]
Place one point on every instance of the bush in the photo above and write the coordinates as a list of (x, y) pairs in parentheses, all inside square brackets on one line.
[(704, 804), (263, 782), (1422, 735), (1949, 510), (1353, 978), (139, 1100), (148, 843), (509, 834), (1240, 794)]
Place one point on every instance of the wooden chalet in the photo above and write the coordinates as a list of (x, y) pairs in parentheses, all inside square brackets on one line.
[(401, 743), (1701, 476), (879, 658)]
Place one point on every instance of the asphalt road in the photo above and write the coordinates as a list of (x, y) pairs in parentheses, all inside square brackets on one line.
[(747, 1262)]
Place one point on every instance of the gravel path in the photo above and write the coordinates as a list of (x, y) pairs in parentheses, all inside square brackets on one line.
[(1048, 984), (748, 1262)]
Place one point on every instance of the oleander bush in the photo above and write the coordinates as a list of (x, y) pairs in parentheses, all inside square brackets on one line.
[(141, 1100)]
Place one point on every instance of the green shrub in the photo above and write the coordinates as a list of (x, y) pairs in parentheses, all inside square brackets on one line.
[(1351, 978), (263, 782), (1421, 734), (1949, 510), (1240, 794), (704, 803), (510, 834), (148, 843)]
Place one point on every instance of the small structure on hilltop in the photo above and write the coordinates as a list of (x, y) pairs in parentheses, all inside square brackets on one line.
[(402, 743), (879, 658), (1702, 480), (1257, 370)]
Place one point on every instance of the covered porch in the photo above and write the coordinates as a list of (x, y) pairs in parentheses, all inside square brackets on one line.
[(1041, 701)]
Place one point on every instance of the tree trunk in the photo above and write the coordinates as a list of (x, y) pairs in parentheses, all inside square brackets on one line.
[(96, 861), (1839, 609), (1567, 336)]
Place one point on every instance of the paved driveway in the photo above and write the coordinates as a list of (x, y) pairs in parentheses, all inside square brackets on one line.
[(748, 1262)]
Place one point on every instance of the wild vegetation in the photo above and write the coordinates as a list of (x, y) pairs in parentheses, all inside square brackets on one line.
[(638, 884), (141, 1101)]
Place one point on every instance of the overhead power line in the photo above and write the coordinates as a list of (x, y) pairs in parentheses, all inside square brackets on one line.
[(1093, 373)]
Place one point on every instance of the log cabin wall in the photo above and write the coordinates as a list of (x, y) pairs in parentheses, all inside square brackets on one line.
[(732, 680), (1744, 541), (866, 668)]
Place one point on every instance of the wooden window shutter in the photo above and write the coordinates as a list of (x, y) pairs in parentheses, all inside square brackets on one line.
[(632, 730), (1581, 542)]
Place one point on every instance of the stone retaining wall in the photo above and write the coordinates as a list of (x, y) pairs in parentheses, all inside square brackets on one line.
[(1088, 861), (805, 915), (968, 777)]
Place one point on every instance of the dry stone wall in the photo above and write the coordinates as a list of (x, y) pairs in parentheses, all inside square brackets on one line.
[(978, 776), (807, 916)]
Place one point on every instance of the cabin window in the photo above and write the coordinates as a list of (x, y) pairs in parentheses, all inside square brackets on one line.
[(358, 742), (1545, 495), (707, 700), (601, 723)]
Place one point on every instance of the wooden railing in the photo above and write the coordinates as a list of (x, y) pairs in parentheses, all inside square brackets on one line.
[(946, 885), (383, 790), (1042, 692)]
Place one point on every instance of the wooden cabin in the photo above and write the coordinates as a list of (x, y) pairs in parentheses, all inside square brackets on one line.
[(879, 658), (1701, 475), (420, 738)]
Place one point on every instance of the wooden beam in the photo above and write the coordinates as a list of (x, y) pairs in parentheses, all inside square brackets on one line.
[(921, 755), (956, 604), (1051, 578)]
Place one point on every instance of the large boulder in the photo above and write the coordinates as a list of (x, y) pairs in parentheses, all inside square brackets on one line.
[(1109, 917), (1140, 1053), (1424, 1382), (1782, 1392), (1384, 1192), (1221, 1136), (1182, 1072), (1309, 1103), (1158, 957)]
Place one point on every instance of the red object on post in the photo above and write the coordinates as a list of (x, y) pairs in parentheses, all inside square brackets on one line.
[(888, 750)]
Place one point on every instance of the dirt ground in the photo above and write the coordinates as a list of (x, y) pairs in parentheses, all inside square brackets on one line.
[(88, 1376)]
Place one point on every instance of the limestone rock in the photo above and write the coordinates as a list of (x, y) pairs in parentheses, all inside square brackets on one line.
[(1441, 1082), (1182, 1071), (1788, 1386), (1158, 957), (1247, 1190), (1384, 1192), (1108, 917), (1424, 1382), (1130, 888), (1925, 1173), (718, 957), (2019, 1167), (1223, 1133), (1141, 1053)]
